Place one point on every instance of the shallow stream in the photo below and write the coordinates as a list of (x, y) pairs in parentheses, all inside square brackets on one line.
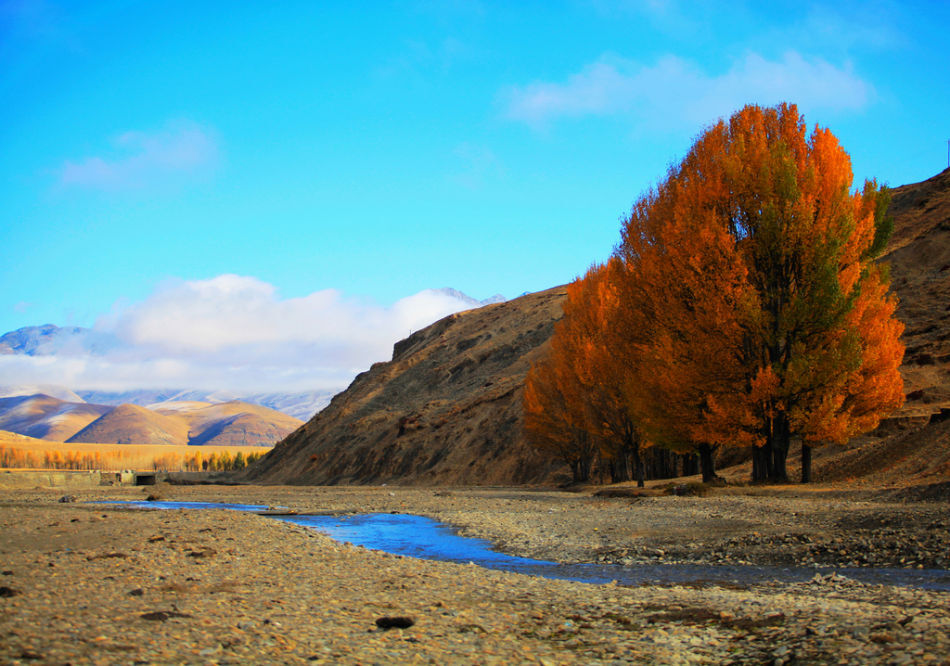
[(425, 538)]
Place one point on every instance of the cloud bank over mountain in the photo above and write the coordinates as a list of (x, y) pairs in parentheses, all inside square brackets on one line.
[(229, 332)]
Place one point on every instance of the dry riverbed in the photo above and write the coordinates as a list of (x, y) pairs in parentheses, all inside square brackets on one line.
[(84, 583)]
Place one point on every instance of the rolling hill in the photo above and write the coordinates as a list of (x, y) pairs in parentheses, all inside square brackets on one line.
[(447, 408), (231, 423), (45, 417), (131, 424)]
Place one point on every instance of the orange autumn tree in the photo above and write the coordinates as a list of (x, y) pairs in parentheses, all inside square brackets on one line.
[(554, 399), (554, 415), (760, 313), (575, 400), (590, 315), (683, 340)]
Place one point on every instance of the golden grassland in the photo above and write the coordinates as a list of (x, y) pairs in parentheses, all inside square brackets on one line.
[(19, 451)]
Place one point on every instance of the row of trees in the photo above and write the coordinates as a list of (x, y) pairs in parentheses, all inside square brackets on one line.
[(743, 307), (17, 458), (11, 457), (196, 462)]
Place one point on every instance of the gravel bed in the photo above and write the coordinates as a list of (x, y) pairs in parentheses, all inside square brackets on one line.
[(95, 584)]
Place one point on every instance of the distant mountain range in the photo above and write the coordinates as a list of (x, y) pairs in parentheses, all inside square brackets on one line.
[(50, 340), (113, 357), (45, 417), (232, 423), (300, 404)]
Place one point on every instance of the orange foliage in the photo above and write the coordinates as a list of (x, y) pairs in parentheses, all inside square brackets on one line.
[(106, 457), (554, 416), (751, 296), (576, 401)]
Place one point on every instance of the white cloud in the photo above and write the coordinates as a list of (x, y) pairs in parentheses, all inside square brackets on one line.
[(235, 332), (675, 92), (228, 311), (182, 148)]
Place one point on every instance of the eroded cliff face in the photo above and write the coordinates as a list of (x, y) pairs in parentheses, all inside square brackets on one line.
[(445, 410), (919, 255)]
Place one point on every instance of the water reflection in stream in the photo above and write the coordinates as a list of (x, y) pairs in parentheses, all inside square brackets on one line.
[(425, 538)]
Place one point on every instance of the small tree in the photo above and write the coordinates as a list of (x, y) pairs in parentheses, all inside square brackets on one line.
[(592, 308), (576, 402), (554, 417)]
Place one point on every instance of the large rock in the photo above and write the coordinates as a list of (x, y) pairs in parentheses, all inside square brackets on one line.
[(445, 410)]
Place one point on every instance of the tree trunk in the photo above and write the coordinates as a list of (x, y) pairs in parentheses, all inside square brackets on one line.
[(689, 465), (780, 437), (580, 470), (669, 463), (619, 467), (638, 466), (706, 462), (662, 463), (762, 462), (806, 463), (769, 460)]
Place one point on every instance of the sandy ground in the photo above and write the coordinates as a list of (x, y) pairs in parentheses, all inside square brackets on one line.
[(90, 584)]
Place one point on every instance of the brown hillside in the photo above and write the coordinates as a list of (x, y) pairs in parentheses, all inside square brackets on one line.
[(12, 439), (190, 423), (919, 255), (132, 424), (45, 417), (232, 423), (446, 409)]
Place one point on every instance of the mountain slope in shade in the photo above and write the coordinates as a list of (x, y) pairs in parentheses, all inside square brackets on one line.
[(132, 424), (46, 417), (446, 409)]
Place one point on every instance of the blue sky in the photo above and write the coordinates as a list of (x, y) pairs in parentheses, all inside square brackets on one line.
[(380, 149)]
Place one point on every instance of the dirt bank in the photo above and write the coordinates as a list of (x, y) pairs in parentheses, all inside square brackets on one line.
[(109, 585)]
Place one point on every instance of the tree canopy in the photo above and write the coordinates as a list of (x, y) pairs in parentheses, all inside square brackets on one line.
[(746, 305)]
